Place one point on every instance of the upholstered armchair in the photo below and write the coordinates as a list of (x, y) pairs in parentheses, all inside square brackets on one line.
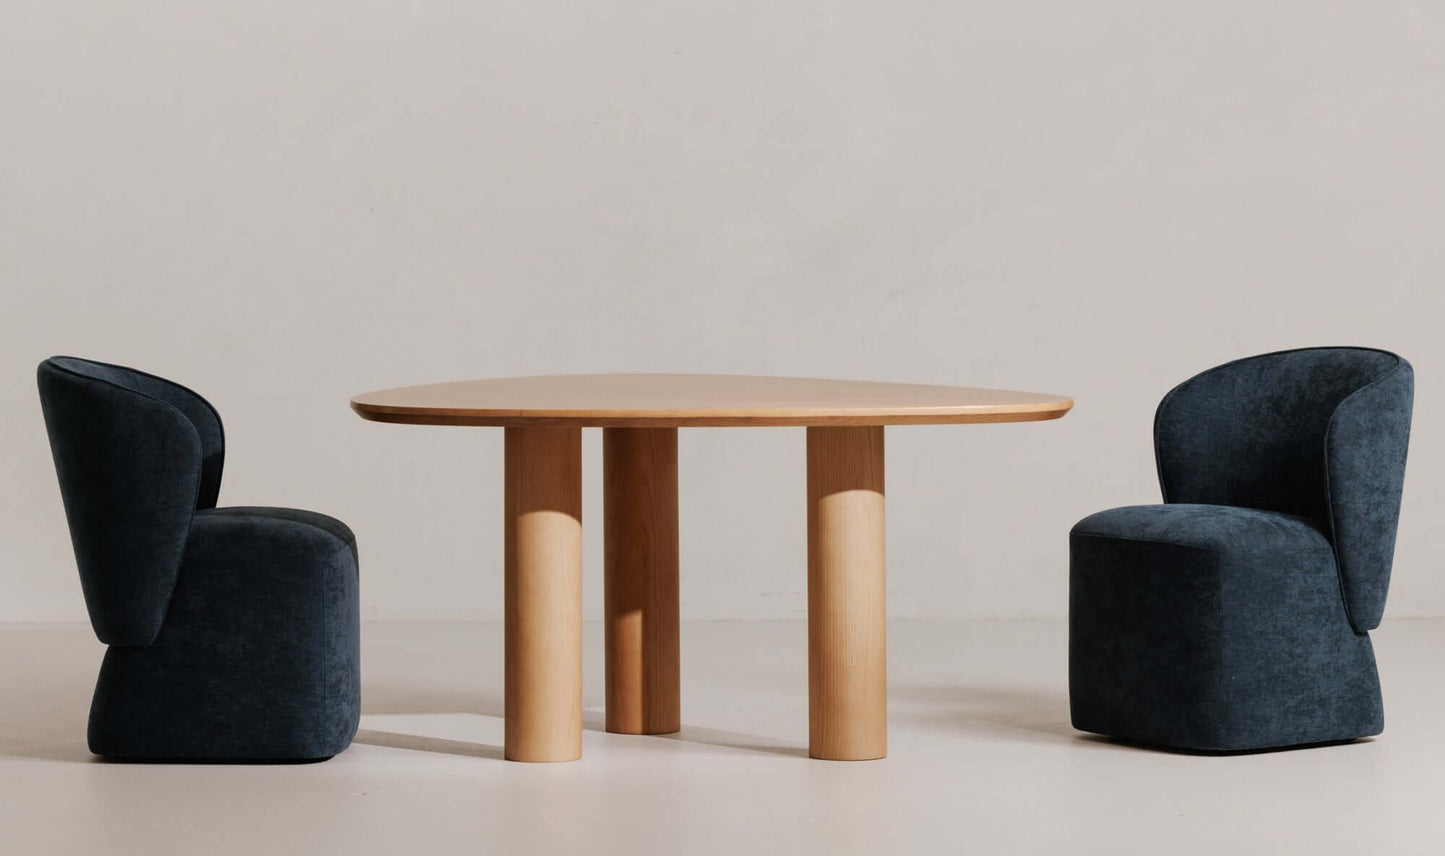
[(233, 632), (1235, 616)]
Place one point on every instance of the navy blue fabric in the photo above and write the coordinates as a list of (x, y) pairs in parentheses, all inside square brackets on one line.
[(129, 466), (1213, 628), (1207, 527), (234, 632), (203, 417), (1320, 432), (258, 656), (1365, 450), (1233, 617)]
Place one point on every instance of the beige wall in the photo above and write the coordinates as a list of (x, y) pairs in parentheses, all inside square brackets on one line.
[(285, 203)]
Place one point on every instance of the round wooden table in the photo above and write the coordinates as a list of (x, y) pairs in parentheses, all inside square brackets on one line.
[(543, 418)]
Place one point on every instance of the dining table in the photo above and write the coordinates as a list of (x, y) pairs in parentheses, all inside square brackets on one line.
[(640, 415)]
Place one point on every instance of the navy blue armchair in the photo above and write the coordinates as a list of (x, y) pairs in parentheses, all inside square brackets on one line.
[(1235, 616), (233, 632)]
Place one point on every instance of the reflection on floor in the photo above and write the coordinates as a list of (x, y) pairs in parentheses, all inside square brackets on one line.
[(981, 759)]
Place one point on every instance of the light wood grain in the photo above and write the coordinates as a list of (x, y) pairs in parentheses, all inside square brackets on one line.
[(847, 662), (543, 580), (847, 648), (640, 579), (677, 400)]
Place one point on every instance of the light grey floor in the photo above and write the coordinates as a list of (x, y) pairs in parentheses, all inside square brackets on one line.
[(982, 760)]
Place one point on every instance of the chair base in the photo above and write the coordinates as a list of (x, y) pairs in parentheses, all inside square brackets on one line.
[(157, 705), (279, 762), (1226, 753), (259, 656), (1213, 631)]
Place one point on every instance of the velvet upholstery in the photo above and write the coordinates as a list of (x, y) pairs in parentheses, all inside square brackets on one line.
[(1235, 616), (130, 464), (1319, 432), (234, 632)]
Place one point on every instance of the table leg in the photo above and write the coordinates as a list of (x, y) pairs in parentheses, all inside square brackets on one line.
[(847, 651), (640, 580), (543, 594)]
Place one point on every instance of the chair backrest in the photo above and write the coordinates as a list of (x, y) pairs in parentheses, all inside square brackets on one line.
[(1317, 432), (136, 455)]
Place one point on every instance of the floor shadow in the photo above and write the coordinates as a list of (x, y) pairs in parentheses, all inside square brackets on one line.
[(400, 700), (77, 752), (1028, 715), (212, 762), (390, 700), (733, 740), (394, 701), (418, 743), (72, 750), (1121, 743)]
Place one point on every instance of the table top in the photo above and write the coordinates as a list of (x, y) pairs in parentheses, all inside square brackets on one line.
[(699, 400)]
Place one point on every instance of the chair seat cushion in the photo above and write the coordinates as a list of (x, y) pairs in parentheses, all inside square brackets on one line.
[(320, 532), (259, 654), (1213, 628), (1220, 528)]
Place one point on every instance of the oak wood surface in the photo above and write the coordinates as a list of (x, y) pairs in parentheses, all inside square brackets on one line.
[(847, 648), (543, 594), (847, 655), (640, 573), (676, 400)]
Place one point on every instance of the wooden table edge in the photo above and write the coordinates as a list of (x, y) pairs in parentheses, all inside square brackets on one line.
[(709, 419)]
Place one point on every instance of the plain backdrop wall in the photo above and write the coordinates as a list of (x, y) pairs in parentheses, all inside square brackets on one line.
[(283, 204)]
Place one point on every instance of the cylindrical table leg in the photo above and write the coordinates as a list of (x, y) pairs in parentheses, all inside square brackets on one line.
[(847, 651), (544, 594), (640, 580)]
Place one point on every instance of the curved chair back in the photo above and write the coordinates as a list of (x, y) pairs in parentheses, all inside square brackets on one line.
[(136, 455), (1318, 432)]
